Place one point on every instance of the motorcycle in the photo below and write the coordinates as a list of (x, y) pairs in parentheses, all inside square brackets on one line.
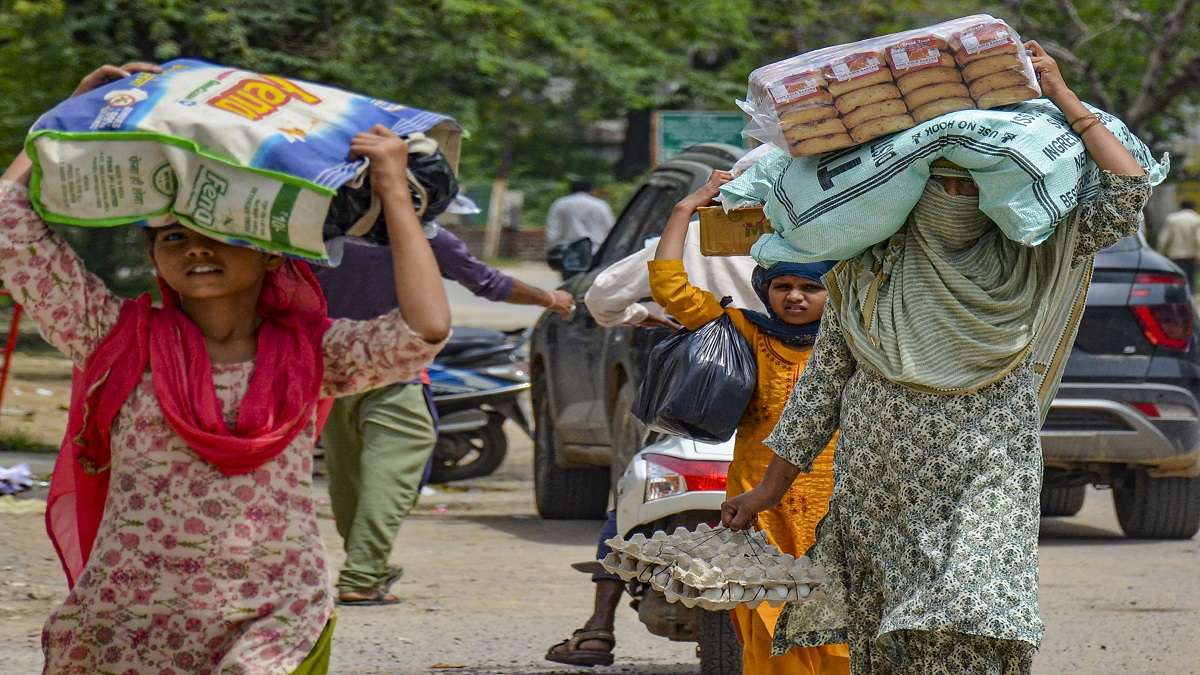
[(479, 380)]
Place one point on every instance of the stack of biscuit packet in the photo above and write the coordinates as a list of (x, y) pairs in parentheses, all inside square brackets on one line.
[(842, 96), (714, 568)]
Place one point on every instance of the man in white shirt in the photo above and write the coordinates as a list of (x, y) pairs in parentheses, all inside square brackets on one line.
[(577, 216), (1180, 238)]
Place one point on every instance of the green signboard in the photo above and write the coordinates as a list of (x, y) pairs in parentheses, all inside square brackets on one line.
[(674, 130)]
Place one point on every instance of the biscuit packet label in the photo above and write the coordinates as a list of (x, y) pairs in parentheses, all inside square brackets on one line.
[(986, 36), (855, 65), (916, 53), (795, 88)]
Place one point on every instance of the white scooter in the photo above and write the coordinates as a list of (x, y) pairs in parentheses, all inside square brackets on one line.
[(671, 483)]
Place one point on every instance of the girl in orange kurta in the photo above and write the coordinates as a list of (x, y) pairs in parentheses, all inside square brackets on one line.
[(782, 342)]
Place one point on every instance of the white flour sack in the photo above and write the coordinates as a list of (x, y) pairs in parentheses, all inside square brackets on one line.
[(243, 157), (1030, 167)]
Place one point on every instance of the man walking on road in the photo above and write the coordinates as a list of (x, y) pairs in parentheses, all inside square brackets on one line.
[(378, 443), (577, 216), (1180, 238)]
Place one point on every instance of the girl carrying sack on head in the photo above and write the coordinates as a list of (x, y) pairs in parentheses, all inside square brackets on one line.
[(782, 341), (181, 503)]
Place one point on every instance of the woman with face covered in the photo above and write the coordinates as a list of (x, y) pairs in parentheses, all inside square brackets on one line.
[(782, 340), (938, 356)]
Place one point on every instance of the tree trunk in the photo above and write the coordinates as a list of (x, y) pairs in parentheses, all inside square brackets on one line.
[(635, 151)]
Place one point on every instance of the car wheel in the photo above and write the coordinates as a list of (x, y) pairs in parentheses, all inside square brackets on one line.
[(562, 494), (719, 649), (1062, 501), (628, 433), (1158, 508)]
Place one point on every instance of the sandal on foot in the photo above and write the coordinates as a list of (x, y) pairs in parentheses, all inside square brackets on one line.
[(372, 598), (568, 650)]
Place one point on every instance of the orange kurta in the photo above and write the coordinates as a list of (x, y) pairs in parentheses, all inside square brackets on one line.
[(790, 526)]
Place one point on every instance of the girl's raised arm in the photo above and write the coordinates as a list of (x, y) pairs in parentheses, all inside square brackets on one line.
[(362, 355)]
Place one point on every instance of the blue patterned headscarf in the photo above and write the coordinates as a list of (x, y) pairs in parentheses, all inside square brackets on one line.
[(797, 335)]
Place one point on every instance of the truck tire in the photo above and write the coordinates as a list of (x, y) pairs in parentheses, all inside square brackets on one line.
[(720, 651), (1062, 501), (1157, 508), (562, 494)]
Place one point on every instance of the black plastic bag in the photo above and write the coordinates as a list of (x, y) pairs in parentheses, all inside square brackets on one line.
[(431, 181), (698, 383)]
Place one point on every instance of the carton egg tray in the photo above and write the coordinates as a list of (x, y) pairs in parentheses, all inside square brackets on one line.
[(714, 568)]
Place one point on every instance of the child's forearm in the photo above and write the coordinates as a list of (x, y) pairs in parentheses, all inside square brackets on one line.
[(419, 290), (19, 170), (670, 245)]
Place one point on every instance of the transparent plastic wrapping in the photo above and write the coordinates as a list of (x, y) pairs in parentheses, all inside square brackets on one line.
[(838, 97)]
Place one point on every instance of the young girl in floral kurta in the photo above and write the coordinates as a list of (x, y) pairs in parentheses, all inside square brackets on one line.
[(782, 341), (182, 501)]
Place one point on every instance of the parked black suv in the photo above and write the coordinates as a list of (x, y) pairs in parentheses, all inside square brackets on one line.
[(1127, 415)]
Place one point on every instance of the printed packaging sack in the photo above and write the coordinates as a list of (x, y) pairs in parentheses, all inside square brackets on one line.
[(1031, 169), (247, 158), (837, 97), (698, 383)]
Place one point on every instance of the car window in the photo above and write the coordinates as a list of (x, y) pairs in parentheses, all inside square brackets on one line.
[(623, 240), (656, 218)]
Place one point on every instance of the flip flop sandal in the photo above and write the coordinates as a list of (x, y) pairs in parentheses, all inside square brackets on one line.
[(377, 597), (395, 573), (574, 656)]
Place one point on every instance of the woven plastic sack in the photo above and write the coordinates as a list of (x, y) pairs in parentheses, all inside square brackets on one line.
[(698, 383), (247, 158), (1030, 167)]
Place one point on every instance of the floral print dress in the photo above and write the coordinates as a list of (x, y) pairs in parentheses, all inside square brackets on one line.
[(191, 571), (932, 531)]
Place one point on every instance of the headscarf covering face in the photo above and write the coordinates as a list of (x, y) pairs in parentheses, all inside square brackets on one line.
[(949, 305), (797, 335)]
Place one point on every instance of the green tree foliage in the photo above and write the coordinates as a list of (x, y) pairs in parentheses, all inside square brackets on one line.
[(528, 77)]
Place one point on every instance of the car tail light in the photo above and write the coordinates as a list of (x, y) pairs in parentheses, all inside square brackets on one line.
[(1161, 305), (668, 476), (1165, 411)]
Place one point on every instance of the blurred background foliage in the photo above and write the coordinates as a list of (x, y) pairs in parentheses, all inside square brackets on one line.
[(530, 79)]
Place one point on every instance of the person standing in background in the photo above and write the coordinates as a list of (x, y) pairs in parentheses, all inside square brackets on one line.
[(578, 215), (1180, 238), (378, 442)]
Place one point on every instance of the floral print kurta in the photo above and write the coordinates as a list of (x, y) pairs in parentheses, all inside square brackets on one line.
[(191, 571), (933, 523)]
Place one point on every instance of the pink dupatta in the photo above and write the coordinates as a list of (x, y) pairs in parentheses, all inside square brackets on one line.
[(280, 398)]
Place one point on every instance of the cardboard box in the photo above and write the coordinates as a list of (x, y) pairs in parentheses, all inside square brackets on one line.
[(731, 233)]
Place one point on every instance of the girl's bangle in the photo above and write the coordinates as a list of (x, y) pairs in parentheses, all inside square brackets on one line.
[(1081, 118), (1094, 122)]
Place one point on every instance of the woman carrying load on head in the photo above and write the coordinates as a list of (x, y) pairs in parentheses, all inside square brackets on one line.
[(938, 354), (782, 340)]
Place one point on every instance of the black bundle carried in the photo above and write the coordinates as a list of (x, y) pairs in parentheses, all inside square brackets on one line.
[(356, 211), (698, 383)]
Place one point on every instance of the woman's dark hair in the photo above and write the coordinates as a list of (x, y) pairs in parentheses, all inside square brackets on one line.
[(581, 185), (1187, 204)]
